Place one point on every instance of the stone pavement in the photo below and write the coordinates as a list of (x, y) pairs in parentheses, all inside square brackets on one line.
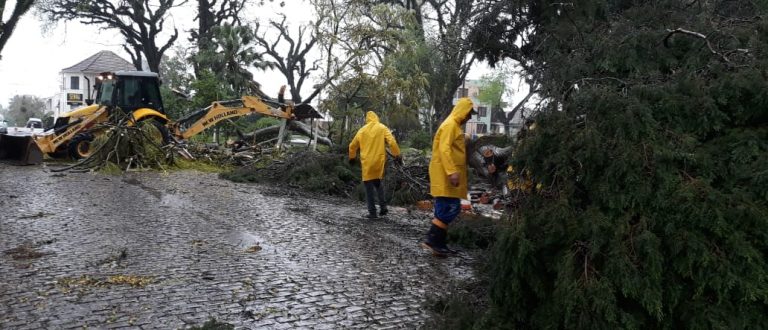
[(170, 251)]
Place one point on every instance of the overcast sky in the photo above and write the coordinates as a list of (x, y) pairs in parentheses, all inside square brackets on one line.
[(32, 58)]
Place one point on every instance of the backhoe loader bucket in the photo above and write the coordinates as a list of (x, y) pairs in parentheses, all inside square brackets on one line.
[(19, 150)]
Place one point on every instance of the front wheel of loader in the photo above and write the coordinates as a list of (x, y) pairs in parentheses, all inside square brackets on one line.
[(59, 153), (80, 146)]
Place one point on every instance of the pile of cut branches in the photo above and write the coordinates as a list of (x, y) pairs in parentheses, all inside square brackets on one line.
[(330, 173), (126, 145), (308, 170), (227, 156), (407, 183)]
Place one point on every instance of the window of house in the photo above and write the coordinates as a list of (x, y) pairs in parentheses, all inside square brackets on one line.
[(74, 82), (481, 129), (482, 111), (462, 92)]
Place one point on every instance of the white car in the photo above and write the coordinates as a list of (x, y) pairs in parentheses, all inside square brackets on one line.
[(34, 123), (298, 141), (34, 126)]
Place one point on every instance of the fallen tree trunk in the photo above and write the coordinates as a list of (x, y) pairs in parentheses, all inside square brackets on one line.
[(306, 130), (476, 159), (261, 134), (294, 125)]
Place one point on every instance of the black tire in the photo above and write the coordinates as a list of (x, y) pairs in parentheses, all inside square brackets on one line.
[(80, 146), (61, 152)]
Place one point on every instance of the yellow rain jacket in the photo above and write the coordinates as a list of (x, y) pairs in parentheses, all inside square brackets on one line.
[(370, 140), (449, 154)]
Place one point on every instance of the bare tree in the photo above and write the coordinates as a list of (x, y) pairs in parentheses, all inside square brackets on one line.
[(6, 28), (334, 38), (140, 22), (293, 62)]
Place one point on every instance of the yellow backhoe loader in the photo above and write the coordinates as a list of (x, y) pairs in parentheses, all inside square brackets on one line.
[(196, 122), (136, 94)]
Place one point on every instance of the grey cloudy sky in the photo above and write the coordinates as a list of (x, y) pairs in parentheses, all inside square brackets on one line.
[(32, 58)]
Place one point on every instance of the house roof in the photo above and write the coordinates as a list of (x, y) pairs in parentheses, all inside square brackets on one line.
[(102, 61)]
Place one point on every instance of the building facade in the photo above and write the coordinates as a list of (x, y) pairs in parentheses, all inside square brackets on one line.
[(77, 81), (479, 124), (488, 120)]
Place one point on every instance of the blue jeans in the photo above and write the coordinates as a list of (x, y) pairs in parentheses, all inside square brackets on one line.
[(447, 208), (378, 186)]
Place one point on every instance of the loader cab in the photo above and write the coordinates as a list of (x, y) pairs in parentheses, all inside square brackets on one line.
[(129, 90)]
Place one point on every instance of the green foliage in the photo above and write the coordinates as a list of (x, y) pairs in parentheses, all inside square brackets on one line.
[(199, 165), (111, 168), (208, 88), (230, 58), (23, 107), (492, 89), (420, 139), (265, 122), (325, 173), (473, 231), (651, 151), (175, 75)]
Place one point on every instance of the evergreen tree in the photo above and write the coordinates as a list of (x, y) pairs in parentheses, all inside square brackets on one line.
[(23, 107), (651, 147)]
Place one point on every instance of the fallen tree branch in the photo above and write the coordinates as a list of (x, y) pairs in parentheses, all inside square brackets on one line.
[(294, 125), (706, 40)]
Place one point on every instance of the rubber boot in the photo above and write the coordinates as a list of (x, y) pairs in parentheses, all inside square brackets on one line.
[(435, 241), (371, 216)]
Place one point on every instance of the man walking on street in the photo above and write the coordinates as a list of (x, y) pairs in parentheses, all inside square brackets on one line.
[(448, 175), (370, 140)]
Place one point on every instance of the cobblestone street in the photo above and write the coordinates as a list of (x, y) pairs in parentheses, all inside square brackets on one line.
[(168, 251)]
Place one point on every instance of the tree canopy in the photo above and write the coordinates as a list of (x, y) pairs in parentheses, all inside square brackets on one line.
[(650, 148), (7, 27), (140, 22)]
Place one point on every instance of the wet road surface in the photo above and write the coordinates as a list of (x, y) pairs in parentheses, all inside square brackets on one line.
[(168, 251)]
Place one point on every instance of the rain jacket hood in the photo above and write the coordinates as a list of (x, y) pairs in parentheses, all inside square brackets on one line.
[(371, 140), (371, 118), (461, 110), (449, 154)]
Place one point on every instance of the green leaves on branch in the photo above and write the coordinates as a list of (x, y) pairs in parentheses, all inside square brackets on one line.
[(653, 209)]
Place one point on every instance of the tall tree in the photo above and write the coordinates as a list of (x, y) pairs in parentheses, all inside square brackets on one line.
[(23, 107), (7, 27), (492, 89), (231, 56), (140, 22), (339, 49), (650, 148), (288, 53), (210, 14), (176, 82), (445, 26)]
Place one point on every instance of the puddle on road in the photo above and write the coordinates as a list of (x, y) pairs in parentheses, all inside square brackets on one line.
[(173, 201), (246, 241), (152, 191)]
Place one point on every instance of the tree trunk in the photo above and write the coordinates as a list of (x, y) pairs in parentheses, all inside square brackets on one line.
[(296, 126)]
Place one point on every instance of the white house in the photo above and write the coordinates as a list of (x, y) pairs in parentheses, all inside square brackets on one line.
[(77, 81), (479, 124)]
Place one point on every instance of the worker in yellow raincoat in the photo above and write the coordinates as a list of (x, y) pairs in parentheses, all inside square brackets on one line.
[(371, 140), (448, 175)]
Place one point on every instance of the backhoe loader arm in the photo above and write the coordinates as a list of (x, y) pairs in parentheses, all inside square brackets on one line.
[(198, 121)]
